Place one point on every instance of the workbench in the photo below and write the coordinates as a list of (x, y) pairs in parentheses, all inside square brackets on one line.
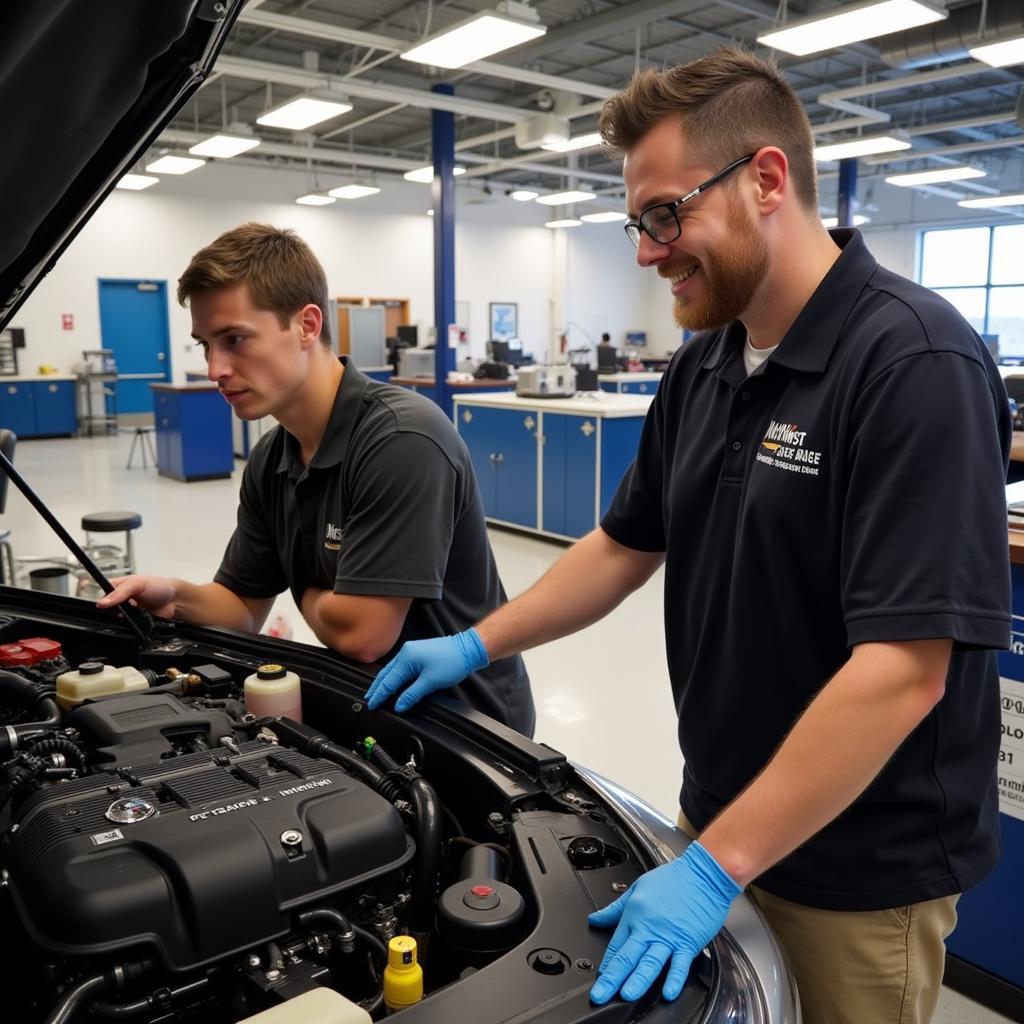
[(550, 466)]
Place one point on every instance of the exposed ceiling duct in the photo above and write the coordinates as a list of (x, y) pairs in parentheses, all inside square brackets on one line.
[(950, 39)]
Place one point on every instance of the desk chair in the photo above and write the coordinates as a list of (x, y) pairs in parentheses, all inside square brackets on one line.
[(8, 439)]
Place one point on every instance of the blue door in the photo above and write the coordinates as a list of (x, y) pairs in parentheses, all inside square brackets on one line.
[(133, 324)]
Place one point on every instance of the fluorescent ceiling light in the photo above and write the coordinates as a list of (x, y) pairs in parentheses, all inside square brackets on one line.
[(833, 222), (568, 222), (430, 213), (174, 165), (990, 201), (1001, 54), (480, 36), (315, 199), (603, 218), (425, 175), (224, 147), (304, 112), (580, 142), (851, 24), (560, 198), (523, 195), (860, 147), (934, 177), (136, 182), (353, 191)]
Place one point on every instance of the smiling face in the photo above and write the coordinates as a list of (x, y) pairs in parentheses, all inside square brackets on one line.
[(260, 367), (720, 259)]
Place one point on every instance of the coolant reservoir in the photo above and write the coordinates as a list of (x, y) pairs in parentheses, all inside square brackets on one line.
[(93, 679), (275, 692)]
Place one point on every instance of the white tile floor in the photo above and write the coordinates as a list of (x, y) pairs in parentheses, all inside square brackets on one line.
[(602, 695)]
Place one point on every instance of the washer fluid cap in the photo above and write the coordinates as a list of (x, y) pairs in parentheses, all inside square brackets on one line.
[(271, 671), (90, 668)]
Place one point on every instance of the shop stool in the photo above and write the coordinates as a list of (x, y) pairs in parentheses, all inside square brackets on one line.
[(145, 433), (123, 559)]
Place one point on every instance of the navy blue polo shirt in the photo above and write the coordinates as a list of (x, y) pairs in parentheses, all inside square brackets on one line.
[(388, 506), (849, 491)]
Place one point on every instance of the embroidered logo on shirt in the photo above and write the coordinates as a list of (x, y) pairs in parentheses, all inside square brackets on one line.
[(783, 448), (333, 539)]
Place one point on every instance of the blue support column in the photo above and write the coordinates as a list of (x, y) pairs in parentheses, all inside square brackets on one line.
[(442, 125), (847, 192)]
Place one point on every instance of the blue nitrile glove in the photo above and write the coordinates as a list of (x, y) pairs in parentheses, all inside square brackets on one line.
[(429, 665), (672, 912)]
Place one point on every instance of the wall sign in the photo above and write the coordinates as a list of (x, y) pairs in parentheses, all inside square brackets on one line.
[(67, 321)]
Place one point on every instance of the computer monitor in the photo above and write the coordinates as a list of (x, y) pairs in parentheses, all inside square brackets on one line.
[(497, 351), (607, 359), (408, 333)]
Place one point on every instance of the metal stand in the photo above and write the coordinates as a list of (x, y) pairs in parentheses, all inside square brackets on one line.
[(90, 420)]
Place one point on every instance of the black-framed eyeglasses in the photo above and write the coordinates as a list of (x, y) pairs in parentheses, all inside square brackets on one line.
[(661, 221)]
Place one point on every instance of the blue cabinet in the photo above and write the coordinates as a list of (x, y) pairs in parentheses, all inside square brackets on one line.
[(38, 408), (502, 445), (575, 452), (635, 383), (570, 480), (55, 407), (193, 432)]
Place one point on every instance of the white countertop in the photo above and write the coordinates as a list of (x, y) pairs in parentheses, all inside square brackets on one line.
[(626, 376), (25, 378), (588, 403)]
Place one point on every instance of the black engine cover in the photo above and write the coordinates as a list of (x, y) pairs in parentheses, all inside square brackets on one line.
[(208, 868)]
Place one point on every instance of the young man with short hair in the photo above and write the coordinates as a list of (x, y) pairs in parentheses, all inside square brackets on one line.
[(362, 501), (821, 473)]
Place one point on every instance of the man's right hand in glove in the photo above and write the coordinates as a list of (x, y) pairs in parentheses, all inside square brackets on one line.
[(428, 665)]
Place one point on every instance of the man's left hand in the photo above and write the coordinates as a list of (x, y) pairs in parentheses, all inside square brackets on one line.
[(671, 913)]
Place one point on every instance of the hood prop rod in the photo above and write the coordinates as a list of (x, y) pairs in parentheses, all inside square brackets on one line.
[(136, 618)]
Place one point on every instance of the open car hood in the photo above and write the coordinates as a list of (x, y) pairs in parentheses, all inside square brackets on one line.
[(84, 89)]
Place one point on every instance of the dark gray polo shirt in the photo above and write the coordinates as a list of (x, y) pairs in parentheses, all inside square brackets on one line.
[(850, 490), (388, 505)]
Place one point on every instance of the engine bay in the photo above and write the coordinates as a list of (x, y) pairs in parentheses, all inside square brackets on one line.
[(167, 854)]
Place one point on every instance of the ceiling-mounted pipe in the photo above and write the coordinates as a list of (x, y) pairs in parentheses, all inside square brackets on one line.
[(950, 39)]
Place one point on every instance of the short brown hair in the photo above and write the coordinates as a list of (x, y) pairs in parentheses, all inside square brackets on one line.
[(281, 271), (729, 103)]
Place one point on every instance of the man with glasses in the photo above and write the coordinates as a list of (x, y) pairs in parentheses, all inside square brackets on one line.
[(821, 474), (362, 502)]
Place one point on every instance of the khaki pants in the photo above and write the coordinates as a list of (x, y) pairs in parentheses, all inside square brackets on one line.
[(861, 967)]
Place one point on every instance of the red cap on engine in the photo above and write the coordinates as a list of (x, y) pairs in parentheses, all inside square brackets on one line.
[(29, 652)]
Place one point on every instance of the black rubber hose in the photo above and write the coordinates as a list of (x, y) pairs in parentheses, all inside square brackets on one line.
[(12, 737), (70, 1001), (308, 741), (27, 695), (57, 745), (336, 921), (428, 836), (125, 1011)]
